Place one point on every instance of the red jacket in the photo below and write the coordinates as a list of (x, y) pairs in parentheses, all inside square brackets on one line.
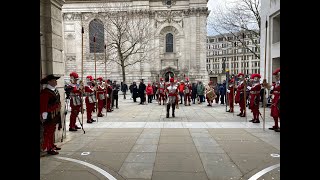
[(149, 90)]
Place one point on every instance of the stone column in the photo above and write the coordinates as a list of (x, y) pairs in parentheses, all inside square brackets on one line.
[(52, 60)]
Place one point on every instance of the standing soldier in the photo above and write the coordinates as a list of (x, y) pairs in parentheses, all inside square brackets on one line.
[(255, 97), (90, 98), (230, 92), (50, 106), (240, 95), (210, 94), (275, 106), (162, 87), (101, 96), (108, 95), (187, 92), (75, 100), (172, 100)]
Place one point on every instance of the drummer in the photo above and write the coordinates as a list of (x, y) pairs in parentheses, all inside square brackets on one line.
[(210, 95)]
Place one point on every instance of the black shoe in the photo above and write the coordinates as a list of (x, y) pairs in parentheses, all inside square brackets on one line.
[(73, 129), (256, 121), (117, 107), (173, 115), (277, 130), (167, 116), (228, 110), (88, 121), (239, 114), (52, 152), (251, 120), (56, 148), (77, 127), (93, 120)]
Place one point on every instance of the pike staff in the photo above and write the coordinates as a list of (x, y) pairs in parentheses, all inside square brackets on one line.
[(105, 73), (265, 74), (82, 111), (95, 72), (244, 81)]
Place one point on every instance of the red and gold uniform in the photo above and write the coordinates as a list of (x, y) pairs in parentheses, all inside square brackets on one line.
[(101, 92), (275, 106), (240, 95), (75, 100), (50, 106), (187, 92), (161, 91), (172, 100), (255, 97), (230, 92), (90, 98)]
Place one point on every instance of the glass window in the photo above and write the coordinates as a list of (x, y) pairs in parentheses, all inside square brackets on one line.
[(96, 30), (169, 42)]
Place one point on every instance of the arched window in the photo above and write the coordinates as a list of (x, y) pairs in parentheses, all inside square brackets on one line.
[(96, 29), (169, 42)]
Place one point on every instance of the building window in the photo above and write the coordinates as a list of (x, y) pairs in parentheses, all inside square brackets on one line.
[(169, 42), (96, 30), (168, 2), (276, 29)]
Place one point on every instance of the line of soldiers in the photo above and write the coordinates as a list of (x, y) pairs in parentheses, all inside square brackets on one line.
[(93, 89), (253, 88)]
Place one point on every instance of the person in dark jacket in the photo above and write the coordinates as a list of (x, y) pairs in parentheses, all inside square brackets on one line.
[(142, 92), (124, 89), (194, 93), (222, 92), (115, 90), (135, 91)]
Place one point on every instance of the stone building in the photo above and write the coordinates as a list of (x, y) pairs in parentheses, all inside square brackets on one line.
[(270, 11), (236, 58), (179, 39)]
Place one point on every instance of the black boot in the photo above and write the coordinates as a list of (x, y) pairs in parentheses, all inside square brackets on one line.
[(173, 108), (168, 109)]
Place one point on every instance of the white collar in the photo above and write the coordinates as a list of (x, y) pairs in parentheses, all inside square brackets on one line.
[(51, 87)]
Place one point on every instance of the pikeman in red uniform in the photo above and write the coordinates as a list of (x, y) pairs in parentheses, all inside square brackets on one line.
[(50, 106), (255, 97), (75, 100), (162, 88), (187, 92), (108, 95), (101, 96), (230, 92), (275, 106), (240, 95), (173, 99), (90, 98)]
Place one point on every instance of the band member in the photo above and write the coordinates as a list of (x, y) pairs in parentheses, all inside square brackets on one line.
[(162, 88), (50, 116), (210, 94), (230, 92), (255, 97), (240, 95), (187, 92), (90, 100), (101, 96), (109, 95), (275, 105), (172, 100), (75, 100)]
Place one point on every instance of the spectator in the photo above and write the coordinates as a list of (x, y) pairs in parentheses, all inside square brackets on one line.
[(149, 91)]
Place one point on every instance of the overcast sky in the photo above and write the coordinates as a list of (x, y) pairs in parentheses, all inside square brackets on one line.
[(211, 5)]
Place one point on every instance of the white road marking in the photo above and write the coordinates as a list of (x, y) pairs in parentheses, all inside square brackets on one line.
[(262, 172), (101, 171)]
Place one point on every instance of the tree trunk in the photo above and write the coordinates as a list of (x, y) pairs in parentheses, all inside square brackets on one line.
[(123, 72)]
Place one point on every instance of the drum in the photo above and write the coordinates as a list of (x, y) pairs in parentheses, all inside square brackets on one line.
[(211, 95)]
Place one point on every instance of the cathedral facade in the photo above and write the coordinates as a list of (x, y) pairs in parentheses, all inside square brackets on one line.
[(178, 39)]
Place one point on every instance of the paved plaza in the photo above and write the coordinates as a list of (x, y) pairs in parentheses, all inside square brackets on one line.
[(137, 142)]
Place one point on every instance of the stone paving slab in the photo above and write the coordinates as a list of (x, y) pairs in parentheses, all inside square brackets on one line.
[(178, 175)]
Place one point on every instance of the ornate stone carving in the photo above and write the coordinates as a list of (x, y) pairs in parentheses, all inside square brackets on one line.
[(169, 16), (71, 58), (99, 57), (71, 16)]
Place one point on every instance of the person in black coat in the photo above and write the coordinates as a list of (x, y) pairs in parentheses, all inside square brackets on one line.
[(142, 92), (194, 93), (135, 91), (124, 89), (222, 92)]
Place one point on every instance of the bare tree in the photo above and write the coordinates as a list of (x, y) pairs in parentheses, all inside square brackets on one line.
[(237, 17), (129, 35)]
